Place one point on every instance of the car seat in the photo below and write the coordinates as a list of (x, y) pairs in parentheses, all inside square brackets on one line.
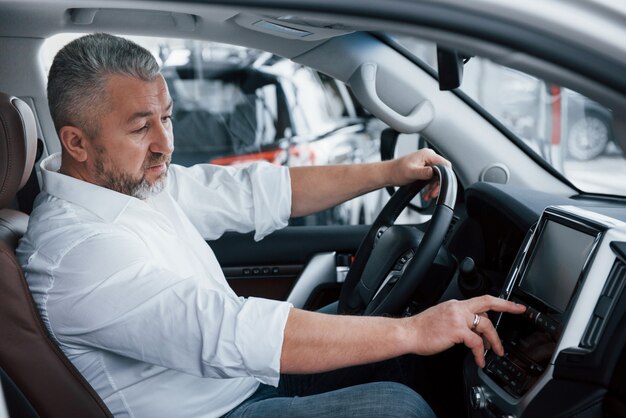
[(32, 365)]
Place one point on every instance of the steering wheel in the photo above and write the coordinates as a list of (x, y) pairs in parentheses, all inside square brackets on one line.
[(391, 263)]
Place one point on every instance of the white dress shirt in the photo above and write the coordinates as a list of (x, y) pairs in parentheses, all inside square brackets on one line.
[(135, 297)]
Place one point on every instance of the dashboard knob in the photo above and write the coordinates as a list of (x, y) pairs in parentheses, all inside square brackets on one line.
[(478, 400)]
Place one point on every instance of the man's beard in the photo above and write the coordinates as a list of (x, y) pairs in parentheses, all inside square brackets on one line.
[(129, 185)]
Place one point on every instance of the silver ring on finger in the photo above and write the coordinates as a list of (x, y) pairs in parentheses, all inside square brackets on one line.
[(475, 322)]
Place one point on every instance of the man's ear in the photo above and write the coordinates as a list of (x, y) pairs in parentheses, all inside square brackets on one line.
[(75, 142)]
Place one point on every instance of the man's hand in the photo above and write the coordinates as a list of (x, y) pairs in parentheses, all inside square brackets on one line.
[(321, 187), (442, 326), (417, 166), (317, 342)]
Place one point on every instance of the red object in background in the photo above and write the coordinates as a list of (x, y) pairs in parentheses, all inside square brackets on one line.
[(273, 156), (555, 93)]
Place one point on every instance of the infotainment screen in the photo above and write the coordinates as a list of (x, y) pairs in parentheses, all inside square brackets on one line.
[(552, 267), (556, 264)]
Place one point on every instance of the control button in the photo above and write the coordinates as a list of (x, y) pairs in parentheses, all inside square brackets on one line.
[(603, 306), (553, 328), (536, 369), (393, 279), (266, 270), (247, 272), (404, 258), (275, 270), (256, 271), (409, 254), (532, 314), (478, 400)]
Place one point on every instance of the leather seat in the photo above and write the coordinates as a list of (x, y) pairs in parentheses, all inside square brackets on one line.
[(30, 359)]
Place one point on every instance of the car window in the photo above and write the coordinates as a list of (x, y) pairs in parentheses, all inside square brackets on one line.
[(236, 105), (571, 132), (318, 109)]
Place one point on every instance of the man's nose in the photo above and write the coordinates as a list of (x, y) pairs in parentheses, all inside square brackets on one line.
[(163, 142)]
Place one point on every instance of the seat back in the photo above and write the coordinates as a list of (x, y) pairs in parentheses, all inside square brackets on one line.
[(32, 361)]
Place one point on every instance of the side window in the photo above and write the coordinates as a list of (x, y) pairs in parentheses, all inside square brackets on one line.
[(223, 109), (338, 104), (215, 119), (317, 109)]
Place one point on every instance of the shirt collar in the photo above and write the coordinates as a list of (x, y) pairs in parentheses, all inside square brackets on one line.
[(106, 203)]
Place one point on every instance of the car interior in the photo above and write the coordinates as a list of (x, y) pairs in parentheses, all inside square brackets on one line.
[(506, 223)]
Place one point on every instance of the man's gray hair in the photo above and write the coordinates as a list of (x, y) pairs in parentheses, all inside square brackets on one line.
[(78, 77)]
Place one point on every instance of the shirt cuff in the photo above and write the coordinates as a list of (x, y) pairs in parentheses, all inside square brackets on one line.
[(271, 194), (259, 336)]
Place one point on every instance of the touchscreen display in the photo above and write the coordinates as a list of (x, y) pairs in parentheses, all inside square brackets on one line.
[(556, 264)]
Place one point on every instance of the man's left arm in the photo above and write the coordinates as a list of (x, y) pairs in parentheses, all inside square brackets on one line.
[(320, 187)]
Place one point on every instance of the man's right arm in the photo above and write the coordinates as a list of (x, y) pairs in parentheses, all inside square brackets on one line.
[(315, 342)]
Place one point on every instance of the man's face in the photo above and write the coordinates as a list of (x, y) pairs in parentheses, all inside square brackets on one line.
[(132, 152)]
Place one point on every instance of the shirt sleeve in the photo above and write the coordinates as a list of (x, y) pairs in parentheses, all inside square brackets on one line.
[(218, 199), (127, 304)]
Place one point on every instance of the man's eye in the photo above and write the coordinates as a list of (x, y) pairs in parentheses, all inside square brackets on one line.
[(166, 119), (141, 130)]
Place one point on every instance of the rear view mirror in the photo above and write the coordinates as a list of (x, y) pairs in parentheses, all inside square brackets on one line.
[(450, 68)]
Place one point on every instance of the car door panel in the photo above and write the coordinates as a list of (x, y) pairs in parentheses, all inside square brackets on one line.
[(294, 264)]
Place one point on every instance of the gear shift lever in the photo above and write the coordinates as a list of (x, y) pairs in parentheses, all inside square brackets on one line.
[(470, 281)]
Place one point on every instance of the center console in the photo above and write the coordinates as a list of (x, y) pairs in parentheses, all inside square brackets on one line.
[(560, 274)]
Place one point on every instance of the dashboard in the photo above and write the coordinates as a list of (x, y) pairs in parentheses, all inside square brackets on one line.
[(570, 271)]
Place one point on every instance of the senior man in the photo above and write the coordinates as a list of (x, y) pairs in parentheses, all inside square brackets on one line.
[(116, 260)]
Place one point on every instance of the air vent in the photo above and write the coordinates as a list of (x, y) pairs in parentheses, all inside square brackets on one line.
[(610, 293)]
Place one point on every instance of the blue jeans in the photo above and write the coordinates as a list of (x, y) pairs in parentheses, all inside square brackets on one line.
[(338, 394)]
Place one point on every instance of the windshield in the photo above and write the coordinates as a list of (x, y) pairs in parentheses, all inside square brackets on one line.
[(568, 130)]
